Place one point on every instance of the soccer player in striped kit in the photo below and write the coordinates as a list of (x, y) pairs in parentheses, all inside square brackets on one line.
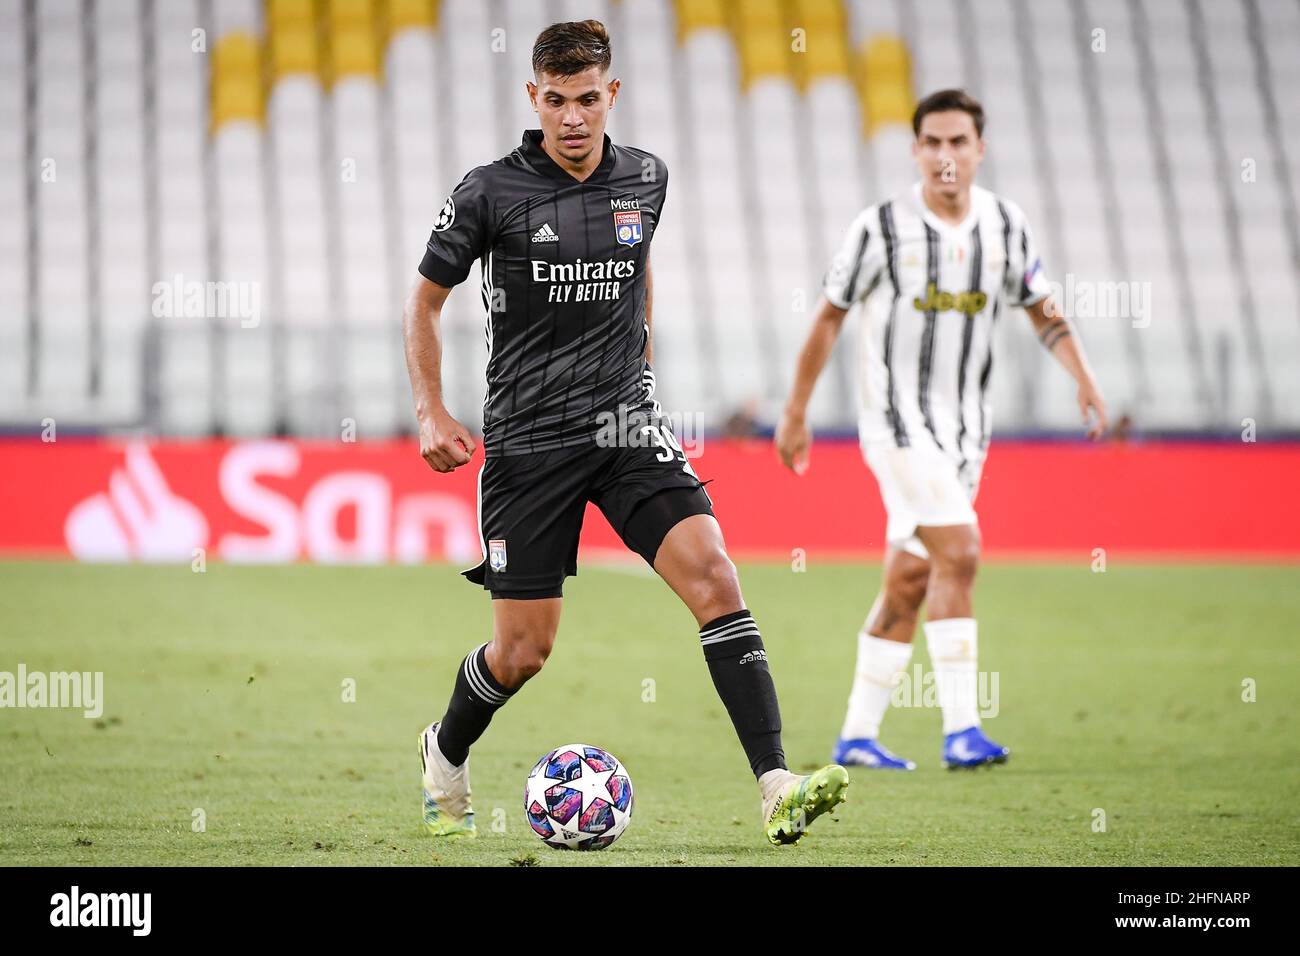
[(931, 271)]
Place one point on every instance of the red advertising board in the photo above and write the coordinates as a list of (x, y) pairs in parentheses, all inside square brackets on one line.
[(377, 501)]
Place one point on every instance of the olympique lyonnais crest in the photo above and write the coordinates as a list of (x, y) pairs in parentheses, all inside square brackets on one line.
[(627, 227), (497, 555)]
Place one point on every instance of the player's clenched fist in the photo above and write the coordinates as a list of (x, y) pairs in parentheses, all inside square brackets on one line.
[(445, 443)]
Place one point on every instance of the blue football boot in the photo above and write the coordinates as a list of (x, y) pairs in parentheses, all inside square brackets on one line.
[(970, 748), (867, 752)]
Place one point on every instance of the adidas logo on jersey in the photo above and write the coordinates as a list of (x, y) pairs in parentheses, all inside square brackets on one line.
[(546, 234)]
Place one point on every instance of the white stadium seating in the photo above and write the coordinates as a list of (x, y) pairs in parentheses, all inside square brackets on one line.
[(1164, 156)]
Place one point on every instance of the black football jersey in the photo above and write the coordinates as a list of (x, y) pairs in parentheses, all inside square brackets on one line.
[(564, 287)]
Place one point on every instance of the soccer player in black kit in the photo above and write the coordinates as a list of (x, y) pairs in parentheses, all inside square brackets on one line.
[(561, 229)]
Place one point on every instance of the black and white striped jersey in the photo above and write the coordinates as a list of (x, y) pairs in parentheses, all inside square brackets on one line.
[(563, 281), (930, 294)]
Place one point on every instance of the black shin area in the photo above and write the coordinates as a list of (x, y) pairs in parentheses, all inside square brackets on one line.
[(478, 695), (737, 662)]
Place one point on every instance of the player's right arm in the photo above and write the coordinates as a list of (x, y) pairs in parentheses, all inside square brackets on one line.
[(853, 272), (445, 443), (1028, 288), (793, 437), (460, 235)]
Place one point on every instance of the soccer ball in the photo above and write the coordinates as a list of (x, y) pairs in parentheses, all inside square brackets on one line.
[(578, 797)]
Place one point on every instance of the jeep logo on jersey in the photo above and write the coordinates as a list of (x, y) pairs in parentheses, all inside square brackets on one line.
[(967, 303), (627, 227)]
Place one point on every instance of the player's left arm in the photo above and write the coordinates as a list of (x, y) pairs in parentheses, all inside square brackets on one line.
[(1057, 336), (649, 325)]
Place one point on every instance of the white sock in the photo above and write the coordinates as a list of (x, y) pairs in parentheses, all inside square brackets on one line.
[(770, 783), (880, 664), (952, 655), (443, 763)]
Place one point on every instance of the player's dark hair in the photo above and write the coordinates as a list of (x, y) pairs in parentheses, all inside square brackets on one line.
[(565, 49), (945, 100)]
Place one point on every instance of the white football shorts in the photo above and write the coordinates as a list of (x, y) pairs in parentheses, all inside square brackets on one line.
[(921, 486)]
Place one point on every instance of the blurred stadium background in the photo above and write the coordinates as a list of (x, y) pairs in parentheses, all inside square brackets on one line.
[(286, 160), (304, 147)]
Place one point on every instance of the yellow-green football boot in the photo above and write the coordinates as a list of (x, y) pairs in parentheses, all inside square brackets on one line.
[(797, 801), (447, 809)]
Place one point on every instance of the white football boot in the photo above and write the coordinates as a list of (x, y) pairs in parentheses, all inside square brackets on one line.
[(447, 809)]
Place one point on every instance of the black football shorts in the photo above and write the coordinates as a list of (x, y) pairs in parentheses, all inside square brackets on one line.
[(531, 508)]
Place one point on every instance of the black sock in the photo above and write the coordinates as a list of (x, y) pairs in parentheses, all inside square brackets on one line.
[(737, 662), (478, 695)]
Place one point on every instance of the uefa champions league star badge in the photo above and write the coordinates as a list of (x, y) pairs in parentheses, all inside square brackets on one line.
[(497, 555), (627, 227), (446, 216)]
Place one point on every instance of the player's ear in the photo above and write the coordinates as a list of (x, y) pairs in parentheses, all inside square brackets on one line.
[(614, 87), (531, 87)]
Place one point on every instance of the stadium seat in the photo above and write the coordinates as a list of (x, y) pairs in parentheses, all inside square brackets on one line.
[(305, 147), (15, 343)]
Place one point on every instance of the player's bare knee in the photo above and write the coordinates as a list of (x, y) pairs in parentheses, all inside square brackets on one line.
[(528, 662), (959, 561), (520, 660), (905, 586), (722, 573), (909, 601), (909, 589), (717, 583), (519, 650)]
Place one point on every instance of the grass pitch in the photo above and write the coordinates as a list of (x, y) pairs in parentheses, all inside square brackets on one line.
[(1119, 693)]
